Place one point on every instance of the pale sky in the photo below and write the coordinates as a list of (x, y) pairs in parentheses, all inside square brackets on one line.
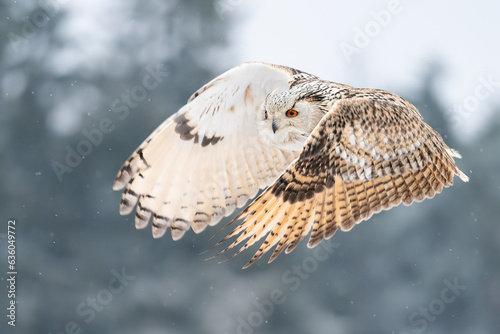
[(394, 42), (308, 35)]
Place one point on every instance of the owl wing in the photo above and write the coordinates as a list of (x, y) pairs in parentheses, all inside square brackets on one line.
[(364, 156), (208, 158)]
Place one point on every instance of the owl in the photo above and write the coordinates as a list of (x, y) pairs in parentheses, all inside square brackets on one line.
[(327, 155)]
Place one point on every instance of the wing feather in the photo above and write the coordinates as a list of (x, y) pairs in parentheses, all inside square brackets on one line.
[(207, 159), (366, 155)]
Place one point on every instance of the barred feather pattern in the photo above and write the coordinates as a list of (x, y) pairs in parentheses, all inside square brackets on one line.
[(207, 159), (219, 182), (370, 152)]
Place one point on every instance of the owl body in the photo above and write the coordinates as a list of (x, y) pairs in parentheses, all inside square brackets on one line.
[(330, 155)]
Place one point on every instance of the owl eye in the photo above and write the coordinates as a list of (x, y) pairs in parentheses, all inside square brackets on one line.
[(291, 113), (265, 114)]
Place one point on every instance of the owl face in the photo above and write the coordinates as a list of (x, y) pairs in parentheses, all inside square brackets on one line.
[(286, 121)]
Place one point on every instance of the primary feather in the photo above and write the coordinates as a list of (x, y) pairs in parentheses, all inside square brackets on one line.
[(361, 151)]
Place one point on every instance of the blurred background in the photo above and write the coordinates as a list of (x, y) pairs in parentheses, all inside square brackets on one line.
[(74, 70)]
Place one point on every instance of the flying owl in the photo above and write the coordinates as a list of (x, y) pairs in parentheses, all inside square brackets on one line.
[(328, 155)]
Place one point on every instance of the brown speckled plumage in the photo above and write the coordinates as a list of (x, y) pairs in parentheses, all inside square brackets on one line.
[(366, 155), (363, 151)]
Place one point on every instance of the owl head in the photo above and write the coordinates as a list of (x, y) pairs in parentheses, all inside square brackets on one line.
[(285, 119)]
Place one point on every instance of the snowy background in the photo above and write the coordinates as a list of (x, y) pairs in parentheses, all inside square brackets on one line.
[(65, 67)]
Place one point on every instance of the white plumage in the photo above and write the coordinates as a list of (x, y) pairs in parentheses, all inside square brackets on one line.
[(332, 154)]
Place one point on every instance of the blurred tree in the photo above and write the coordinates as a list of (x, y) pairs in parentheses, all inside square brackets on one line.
[(80, 68)]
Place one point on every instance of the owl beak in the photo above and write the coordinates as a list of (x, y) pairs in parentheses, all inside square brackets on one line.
[(275, 125)]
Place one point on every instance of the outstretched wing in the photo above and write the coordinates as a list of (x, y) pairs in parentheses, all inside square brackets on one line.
[(365, 155), (207, 159)]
